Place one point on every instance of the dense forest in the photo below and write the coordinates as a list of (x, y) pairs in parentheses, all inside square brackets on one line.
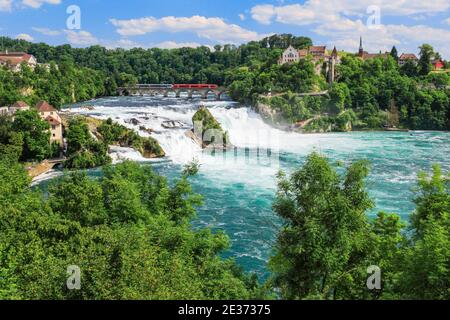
[(376, 90)]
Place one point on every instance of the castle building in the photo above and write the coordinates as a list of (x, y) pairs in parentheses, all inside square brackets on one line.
[(290, 55), (46, 112), (318, 54)]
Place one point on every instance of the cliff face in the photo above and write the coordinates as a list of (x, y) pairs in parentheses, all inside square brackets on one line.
[(208, 132), (271, 116), (151, 149)]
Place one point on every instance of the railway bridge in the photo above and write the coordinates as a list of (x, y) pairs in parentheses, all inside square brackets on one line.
[(204, 90)]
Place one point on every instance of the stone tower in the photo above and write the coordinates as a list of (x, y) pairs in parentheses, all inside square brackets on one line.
[(332, 66)]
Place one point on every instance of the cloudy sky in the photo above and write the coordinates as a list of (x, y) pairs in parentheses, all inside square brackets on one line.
[(169, 24)]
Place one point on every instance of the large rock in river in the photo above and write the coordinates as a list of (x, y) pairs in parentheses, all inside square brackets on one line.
[(208, 132)]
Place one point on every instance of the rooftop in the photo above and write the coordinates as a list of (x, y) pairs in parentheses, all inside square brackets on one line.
[(20, 105), (43, 106), (406, 56), (14, 58)]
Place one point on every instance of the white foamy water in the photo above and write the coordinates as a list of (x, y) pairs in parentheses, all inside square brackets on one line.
[(49, 175), (245, 127), (120, 154)]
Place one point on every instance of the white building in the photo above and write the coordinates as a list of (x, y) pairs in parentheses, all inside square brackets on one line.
[(18, 106), (50, 114), (14, 60), (405, 57), (290, 55)]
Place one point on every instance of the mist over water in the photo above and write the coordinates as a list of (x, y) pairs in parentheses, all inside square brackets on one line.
[(239, 186)]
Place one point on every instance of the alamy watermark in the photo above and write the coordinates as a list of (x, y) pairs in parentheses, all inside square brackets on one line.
[(374, 18), (374, 280), (73, 22), (74, 280)]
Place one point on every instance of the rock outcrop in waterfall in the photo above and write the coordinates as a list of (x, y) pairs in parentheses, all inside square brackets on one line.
[(207, 131)]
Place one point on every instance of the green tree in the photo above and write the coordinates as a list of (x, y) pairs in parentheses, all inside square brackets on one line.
[(82, 149), (339, 97), (35, 133), (125, 247), (426, 54), (409, 69), (394, 53), (426, 261), (324, 237)]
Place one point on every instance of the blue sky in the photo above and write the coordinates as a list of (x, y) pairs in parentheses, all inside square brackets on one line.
[(175, 23)]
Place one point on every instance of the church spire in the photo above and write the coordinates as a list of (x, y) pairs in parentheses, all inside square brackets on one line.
[(361, 49)]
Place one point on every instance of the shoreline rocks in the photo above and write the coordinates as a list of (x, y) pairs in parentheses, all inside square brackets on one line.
[(172, 124)]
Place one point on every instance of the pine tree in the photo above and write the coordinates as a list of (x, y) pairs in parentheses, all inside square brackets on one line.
[(394, 53)]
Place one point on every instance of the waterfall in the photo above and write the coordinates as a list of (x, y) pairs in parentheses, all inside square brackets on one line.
[(246, 128)]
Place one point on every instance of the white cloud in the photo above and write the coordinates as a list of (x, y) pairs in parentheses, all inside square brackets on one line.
[(47, 32), (209, 28), (81, 38), (447, 21), (263, 13), (38, 3), (319, 11), (176, 45), (343, 21), (405, 38), (85, 38), (24, 36), (242, 16), (121, 43), (5, 5)]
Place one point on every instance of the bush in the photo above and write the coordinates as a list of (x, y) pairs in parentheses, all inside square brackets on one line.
[(114, 133), (83, 150)]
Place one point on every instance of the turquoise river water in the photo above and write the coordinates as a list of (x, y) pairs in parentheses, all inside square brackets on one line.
[(239, 186)]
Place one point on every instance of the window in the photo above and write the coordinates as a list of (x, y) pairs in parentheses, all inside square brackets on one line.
[(53, 127), (54, 135)]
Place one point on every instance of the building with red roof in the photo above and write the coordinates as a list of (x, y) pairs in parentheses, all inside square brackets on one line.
[(438, 64), (14, 60), (50, 114), (405, 57), (366, 56)]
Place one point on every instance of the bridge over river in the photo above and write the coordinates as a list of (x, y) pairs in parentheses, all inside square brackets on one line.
[(166, 90)]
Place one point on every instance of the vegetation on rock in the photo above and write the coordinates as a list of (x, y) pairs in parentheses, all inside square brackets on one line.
[(83, 150), (209, 130), (116, 134)]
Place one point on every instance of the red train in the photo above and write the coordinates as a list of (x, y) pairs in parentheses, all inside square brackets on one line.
[(194, 86)]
